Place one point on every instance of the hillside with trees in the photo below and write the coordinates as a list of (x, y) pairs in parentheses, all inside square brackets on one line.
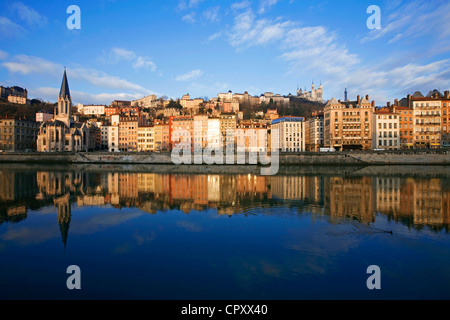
[(28, 111), (297, 107)]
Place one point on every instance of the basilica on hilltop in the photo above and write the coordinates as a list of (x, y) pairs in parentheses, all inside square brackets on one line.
[(313, 95)]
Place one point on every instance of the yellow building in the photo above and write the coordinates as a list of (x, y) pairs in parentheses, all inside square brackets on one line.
[(146, 138), (228, 129)]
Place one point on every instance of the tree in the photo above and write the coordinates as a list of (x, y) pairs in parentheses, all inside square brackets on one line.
[(175, 104)]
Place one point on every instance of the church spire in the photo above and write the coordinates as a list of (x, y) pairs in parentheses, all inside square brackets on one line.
[(64, 92)]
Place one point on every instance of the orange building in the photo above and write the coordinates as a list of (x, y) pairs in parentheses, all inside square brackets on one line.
[(406, 126), (129, 110), (271, 114), (445, 120), (182, 132), (128, 133), (109, 111), (427, 121)]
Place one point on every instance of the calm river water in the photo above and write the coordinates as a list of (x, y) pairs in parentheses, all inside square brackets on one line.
[(135, 234)]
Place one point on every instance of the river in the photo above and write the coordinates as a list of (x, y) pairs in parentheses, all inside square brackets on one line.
[(306, 233)]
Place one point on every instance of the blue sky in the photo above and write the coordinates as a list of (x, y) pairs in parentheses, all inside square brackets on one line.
[(129, 49)]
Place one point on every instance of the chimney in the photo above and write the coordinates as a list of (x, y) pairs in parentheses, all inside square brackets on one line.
[(339, 100), (446, 95), (359, 99), (367, 97), (396, 102), (373, 103), (388, 105)]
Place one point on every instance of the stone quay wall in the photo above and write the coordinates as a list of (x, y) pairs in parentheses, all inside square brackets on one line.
[(407, 157)]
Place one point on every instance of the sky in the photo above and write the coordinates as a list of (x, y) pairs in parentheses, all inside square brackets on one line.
[(126, 50)]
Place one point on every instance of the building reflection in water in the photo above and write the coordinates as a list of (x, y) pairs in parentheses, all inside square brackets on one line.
[(413, 201)]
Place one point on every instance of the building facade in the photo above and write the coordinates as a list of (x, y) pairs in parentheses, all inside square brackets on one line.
[(146, 138), (385, 131), (445, 141), (110, 138), (146, 102), (17, 99), (18, 135), (348, 124), (182, 132), (228, 124), (288, 134), (427, 122), (314, 132), (91, 110), (252, 136), (406, 126), (44, 116), (128, 133)]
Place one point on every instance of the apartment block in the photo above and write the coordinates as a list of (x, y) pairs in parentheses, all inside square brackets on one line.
[(128, 129), (182, 132), (18, 134), (252, 136), (314, 133), (146, 138), (289, 134), (348, 124), (110, 138), (385, 131), (445, 142), (427, 122), (91, 110), (406, 126), (228, 124)]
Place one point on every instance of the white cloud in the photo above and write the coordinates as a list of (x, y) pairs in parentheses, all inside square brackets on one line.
[(51, 94), (138, 62), (414, 19), (27, 65), (266, 5), (212, 14), (214, 36), (9, 29), (247, 31), (144, 62), (240, 5), (121, 53), (104, 80), (3, 55), (319, 50), (183, 4), (28, 15), (190, 18), (194, 74)]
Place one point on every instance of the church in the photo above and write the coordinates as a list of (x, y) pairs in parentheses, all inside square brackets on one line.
[(62, 133), (313, 95)]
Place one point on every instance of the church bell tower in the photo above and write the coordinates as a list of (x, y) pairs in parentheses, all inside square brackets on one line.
[(63, 112)]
